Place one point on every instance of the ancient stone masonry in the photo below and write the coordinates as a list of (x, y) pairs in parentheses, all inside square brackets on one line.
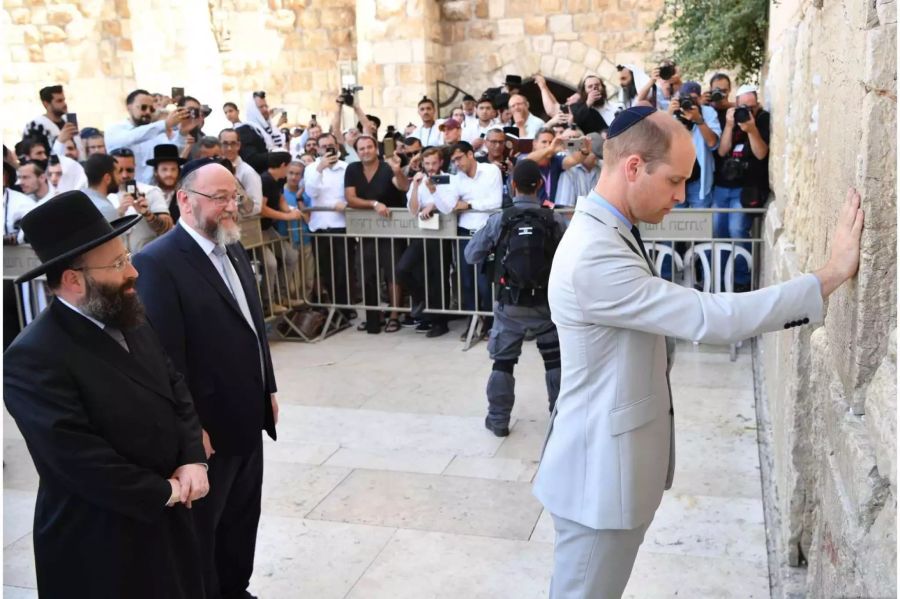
[(222, 50), (831, 83)]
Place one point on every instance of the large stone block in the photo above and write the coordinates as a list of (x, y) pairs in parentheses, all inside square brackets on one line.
[(886, 11), (496, 9), (560, 23), (551, 6), (536, 25), (31, 34), (881, 414), (335, 18), (881, 59), (618, 21), (577, 51), (457, 10), (309, 19), (543, 44), (511, 27), (62, 14), (561, 49), (482, 9)]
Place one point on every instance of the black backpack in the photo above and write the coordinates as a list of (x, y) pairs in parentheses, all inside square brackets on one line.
[(524, 254)]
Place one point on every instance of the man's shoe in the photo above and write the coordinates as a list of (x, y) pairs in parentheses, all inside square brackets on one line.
[(437, 330), (499, 431), (417, 310), (408, 321), (423, 327)]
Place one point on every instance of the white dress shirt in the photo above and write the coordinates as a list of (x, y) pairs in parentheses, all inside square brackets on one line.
[(484, 191), (141, 140), (142, 233), (15, 205), (326, 190), (443, 197), (533, 124), (251, 182), (472, 130)]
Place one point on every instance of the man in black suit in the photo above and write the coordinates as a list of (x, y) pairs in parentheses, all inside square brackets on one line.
[(108, 421), (201, 298)]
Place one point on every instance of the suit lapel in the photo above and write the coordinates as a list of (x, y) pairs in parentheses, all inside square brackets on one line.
[(96, 341), (203, 265), (601, 214)]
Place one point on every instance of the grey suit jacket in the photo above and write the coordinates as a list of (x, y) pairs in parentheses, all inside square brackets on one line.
[(610, 448)]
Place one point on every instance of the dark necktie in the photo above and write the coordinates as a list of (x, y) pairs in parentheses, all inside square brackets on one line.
[(669, 342)]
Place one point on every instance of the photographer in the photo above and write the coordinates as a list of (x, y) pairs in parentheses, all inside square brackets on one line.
[(500, 154), (410, 153), (718, 94), (590, 108), (703, 124), (134, 197), (425, 265), (192, 127), (743, 181), (374, 184), (664, 81), (552, 159)]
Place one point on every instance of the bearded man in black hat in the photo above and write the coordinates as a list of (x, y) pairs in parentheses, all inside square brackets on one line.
[(166, 163), (108, 421)]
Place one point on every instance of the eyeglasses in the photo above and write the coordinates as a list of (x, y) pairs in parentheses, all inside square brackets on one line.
[(220, 200), (118, 266), (147, 108)]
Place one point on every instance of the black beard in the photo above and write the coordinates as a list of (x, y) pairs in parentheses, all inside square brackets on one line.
[(141, 120), (111, 306), (630, 90), (599, 103)]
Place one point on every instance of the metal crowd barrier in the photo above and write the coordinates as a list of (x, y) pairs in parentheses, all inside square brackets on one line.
[(684, 241)]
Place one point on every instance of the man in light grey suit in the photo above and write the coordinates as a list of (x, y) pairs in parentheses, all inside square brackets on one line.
[(609, 453)]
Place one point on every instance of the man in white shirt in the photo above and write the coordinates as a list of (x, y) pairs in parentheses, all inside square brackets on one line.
[(15, 205), (475, 131), (33, 180), (424, 266), (249, 179), (147, 200), (101, 176), (324, 184), (477, 186), (141, 134), (468, 106), (528, 124), (428, 133), (49, 125)]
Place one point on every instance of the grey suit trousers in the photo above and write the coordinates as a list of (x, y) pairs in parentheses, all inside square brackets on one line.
[(590, 563)]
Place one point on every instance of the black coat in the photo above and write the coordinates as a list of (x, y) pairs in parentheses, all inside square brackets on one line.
[(202, 328), (105, 429), (253, 149), (588, 119)]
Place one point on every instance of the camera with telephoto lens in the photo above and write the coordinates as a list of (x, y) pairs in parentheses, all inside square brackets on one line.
[(666, 71), (716, 95), (686, 104), (347, 94), (742, 114)]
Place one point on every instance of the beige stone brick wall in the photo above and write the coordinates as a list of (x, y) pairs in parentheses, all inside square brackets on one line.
[(831, 84)]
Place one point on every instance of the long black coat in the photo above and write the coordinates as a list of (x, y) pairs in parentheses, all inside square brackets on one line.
[(105, 429), (202, 328)]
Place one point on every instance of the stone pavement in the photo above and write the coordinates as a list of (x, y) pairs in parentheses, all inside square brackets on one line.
[(385, 484)]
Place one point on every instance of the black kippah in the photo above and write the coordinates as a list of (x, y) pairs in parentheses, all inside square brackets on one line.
[(628, 117), (192, 165)]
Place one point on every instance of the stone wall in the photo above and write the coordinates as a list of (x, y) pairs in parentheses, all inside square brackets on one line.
[(831, 84), (222, 50)]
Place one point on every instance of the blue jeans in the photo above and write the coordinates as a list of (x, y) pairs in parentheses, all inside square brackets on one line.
[(468, 275), (692, 200), (734, 226)]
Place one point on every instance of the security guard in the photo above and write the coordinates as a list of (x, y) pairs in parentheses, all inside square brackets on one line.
[(522, 240)]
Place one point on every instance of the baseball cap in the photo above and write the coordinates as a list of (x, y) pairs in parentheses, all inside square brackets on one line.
[(526, 174), (449, 124), (689, 87), (746, 89)]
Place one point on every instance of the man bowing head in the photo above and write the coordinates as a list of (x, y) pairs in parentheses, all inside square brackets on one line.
[(108, 421)]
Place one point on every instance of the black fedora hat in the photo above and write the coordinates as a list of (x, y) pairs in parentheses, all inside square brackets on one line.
[(68, 226), (165, 153)]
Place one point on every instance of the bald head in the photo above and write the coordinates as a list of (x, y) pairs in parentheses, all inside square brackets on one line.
[(518, 103)]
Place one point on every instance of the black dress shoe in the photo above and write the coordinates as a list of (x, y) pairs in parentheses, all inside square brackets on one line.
[(437, 330), (499, 431)]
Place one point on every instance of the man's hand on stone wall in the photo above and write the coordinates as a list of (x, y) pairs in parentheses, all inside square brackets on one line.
[(844, 259)]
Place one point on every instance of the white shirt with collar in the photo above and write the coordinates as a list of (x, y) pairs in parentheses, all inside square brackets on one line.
[(141, 140), (142, 233), (443, 197), (326, 190), (250, 181), (207, 246), (472, 130), (484, 191), (533, 124)]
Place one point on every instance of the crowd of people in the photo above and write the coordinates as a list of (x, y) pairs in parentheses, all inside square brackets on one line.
[(460, 164)]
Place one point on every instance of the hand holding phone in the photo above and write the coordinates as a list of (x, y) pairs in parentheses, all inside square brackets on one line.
[(71, 117)]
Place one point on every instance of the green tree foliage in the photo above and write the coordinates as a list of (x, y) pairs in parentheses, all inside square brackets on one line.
[(718, 34)]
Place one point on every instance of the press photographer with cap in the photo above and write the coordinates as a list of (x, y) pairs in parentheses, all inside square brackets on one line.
[(609, 452), (108, 421)]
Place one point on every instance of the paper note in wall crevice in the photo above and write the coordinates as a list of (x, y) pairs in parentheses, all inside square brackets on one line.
[(432, 224)]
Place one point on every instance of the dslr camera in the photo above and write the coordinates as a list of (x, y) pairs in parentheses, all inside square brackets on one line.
[(667, 70), (686, 103), (716, 95), (742, 114), (347, 94)]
